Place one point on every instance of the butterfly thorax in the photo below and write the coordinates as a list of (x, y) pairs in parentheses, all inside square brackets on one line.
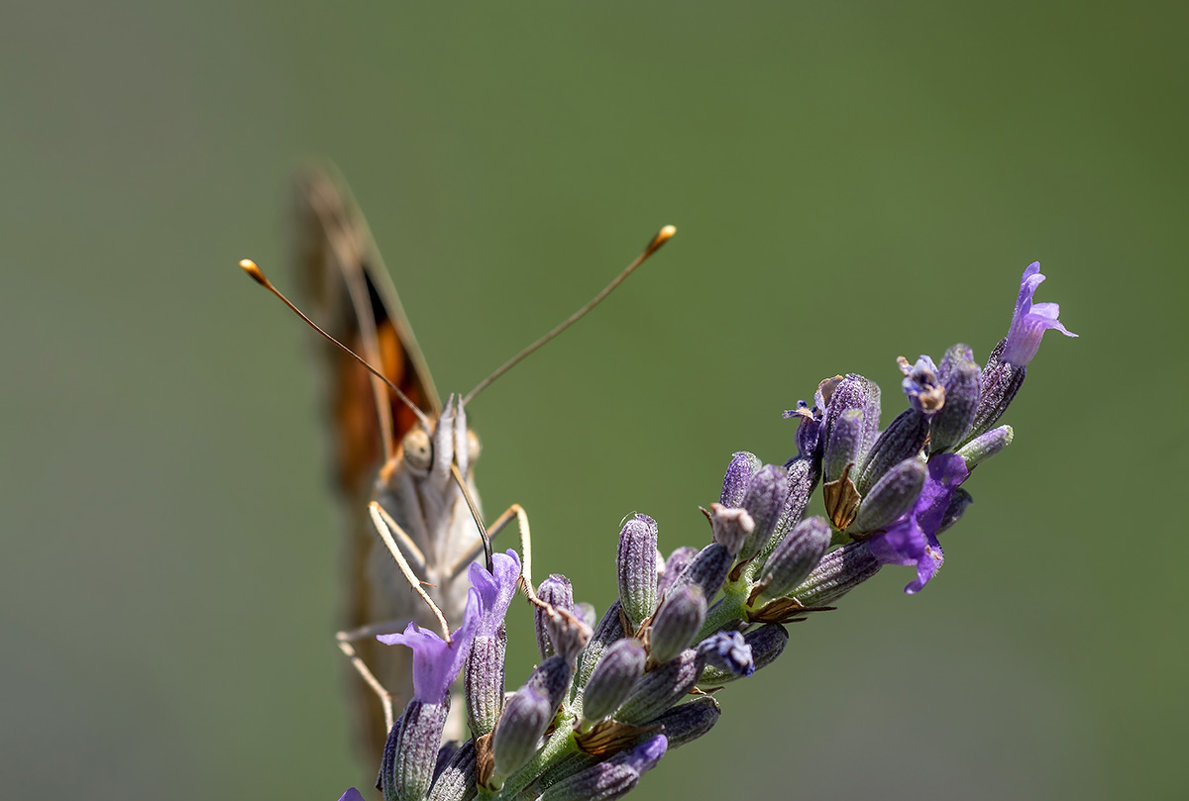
[(418, 489)]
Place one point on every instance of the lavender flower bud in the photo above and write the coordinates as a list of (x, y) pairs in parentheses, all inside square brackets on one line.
[(767, 643), (840, 571), (803, 475), (610, 778), (986, 445), (853, 392), (731, 528), (677, 622), (687, 722), (558, 592), (457, 781), (904, 437), (796, 555), (609, 629), (1000, 381), (676, 564), (553, 676), (844, 445), (526, 716), (659, 689), (484, 681), (892, 496), (764, 501), (416, 751), (637, 568), (743, 466), (613, 679), (727, 650), (953, 356), (963, 385), (708, 570)]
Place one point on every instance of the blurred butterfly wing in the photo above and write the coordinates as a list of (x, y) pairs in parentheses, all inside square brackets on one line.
[(352, 297)]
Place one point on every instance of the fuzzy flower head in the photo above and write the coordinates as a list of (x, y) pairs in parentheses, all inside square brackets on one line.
[(1030, 320), (912, 540), (496, 590), (436, 662)]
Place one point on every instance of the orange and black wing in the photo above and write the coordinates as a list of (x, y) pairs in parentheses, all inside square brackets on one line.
[(352, 297)]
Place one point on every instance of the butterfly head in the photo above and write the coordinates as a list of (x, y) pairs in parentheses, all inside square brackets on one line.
[(431, 450)]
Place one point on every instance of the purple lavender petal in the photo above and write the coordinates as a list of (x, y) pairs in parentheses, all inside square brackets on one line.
[(351, 795), (436, 663), (496, 590), (912, 540), (1030, 321)]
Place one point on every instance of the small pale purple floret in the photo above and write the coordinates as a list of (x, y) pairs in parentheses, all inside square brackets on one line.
[(922, 385), (436, 663), (496, 590), (727, 650), (1030, 320)]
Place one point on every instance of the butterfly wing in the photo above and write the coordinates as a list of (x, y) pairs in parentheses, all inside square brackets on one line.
[(352, 297)]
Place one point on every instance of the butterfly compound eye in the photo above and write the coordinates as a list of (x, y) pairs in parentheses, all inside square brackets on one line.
[(473, 446), (418, 450)]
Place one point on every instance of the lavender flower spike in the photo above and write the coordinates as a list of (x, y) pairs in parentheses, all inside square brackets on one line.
[(1030, 321), (351, 795)]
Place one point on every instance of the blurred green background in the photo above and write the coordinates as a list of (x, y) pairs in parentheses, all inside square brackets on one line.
[(851, 182)]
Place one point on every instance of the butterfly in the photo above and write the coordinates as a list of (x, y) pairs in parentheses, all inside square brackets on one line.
[(383, 450), (402, 461)]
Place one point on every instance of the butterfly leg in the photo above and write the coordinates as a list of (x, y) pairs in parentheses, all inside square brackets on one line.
[(345, 639), (385, 526)]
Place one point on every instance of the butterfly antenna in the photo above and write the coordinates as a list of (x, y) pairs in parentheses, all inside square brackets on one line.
[(253, 270), (662, 236)]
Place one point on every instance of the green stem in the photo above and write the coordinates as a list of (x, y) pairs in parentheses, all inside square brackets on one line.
[(732, 606)]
